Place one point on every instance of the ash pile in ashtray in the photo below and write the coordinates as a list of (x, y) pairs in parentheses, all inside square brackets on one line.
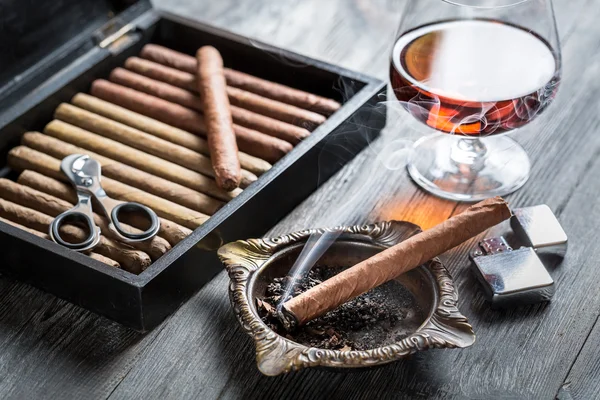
[(379, 317)]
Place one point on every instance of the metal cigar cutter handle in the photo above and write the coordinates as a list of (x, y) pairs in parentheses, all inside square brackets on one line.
[(513, 277)]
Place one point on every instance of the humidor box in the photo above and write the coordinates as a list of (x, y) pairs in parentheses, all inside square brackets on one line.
[(79, 41)]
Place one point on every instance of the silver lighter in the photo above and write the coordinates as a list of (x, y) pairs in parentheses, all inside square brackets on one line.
[(512, 277)]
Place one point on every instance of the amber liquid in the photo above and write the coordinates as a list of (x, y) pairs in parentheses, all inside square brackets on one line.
[(474, 77)]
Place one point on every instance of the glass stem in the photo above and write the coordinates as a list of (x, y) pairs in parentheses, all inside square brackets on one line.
[(470, 154)]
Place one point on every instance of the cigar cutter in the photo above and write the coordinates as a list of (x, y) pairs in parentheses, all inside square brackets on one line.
[(85, 173), (512, 277)]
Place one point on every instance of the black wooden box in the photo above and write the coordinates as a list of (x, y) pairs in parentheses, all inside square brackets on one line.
[(44, 65)]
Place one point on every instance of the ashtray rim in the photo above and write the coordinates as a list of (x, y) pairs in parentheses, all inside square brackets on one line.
[(445, 327)]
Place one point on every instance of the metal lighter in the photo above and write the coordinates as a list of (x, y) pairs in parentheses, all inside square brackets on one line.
[(513, 277)]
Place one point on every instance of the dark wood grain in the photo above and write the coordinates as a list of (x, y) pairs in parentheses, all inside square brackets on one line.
[(51, 348)]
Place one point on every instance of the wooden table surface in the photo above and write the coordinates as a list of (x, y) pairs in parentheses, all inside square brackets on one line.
[(50, 348)]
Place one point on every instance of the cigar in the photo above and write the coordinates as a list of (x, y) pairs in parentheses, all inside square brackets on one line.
[(175, 85), (155, 247), (170, 231), (269, 107), (156, 128), (95, 256), (253, 142), (134, 261), (21, 158), (244, 81), (393, 262), (135, 158), (218, 119), (123, 173), (142, 141)]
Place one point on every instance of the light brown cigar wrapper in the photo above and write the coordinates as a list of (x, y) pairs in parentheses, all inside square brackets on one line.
[(253, 142), (396, 260), (135, 158), (272, 108), (244, 81), (218, 119), (175, 86), (174, 192), (134, 261), (170, 231), (95, 256), (21, 158), (156, 128), (53, 206), (140, 140)]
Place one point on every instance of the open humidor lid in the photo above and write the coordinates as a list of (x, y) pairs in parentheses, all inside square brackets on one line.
[(39, 38)]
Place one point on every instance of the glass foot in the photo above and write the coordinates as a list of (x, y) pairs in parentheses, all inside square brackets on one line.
[(460, 169)]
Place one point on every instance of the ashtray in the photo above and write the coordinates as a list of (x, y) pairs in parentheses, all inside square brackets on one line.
[(435, 321)]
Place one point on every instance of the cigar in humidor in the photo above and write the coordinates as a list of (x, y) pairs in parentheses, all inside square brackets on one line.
[(244, 81), (140, 140), (255, 143), (155, 247), (135, 158), (393, 262), (21, 158), (132, 260), (177, 86), (174, 192), (218, 119), (170, 231), (159, 129), (95, 256)]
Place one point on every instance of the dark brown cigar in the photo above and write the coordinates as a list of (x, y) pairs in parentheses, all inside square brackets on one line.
[(255, 143), (244, 81), (175, 85), (393, 262), (95, 256), (134, 261), (218, 119)]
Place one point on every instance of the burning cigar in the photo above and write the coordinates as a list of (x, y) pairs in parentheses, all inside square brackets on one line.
[(253, 142), (134, 261), (141, 140), (244, 81), (52, 206), (393, 262), (174, 192), (156, 128), (95, 256), (175, 86), (170, 231), (136, 158), (21, 158), (219, 123)]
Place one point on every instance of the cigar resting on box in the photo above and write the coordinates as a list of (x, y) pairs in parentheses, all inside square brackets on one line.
[(181, 87), (21, 158), (170, 231), (174, 192), (159, 129), (244, 81), (271, 108), (217, 117), (393, 262), (136, 158), (258, 144), (132, 260), (95, 256), (142, 141), (155, 247)]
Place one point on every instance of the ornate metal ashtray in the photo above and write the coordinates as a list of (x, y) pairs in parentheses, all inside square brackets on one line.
[(425, 299)]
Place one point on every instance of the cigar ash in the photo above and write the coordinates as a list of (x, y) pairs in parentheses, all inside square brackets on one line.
[(382, 316)]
